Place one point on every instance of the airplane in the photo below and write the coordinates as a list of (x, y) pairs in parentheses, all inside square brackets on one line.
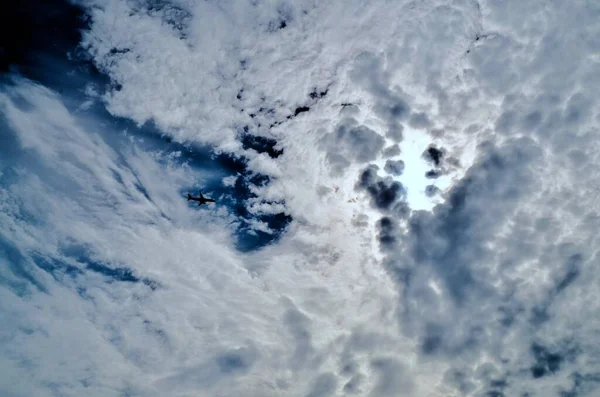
[(201, 200)]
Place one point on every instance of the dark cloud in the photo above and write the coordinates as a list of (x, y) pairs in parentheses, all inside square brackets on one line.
[(419, 120), (393, 379), (362, 142), (460, 380), (572, 269), (395, 132), (236, 360), (222, 367), (584, 384), (433, 174), (394, 167), (318, 94), (324, 386), (393, 111), (353, 385), (431, 190), (547, 362), (301, 109), (578, 109), (432, 341), (434, 155), (351, 142), (392, 151), (388, 232), (386, 193)]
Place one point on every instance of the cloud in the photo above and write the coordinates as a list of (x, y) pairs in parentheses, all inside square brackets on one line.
[(386, 193), (394, 167), (325, 385), (312, 275), (352, 143), (157, 288)]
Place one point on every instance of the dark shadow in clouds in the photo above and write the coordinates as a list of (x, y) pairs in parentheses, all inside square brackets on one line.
[(386, 193), (351, 142), (56, 268), (583, 385), (419, 120), (433, 174), (236, 361), (224, 366), (432, 341), (459, 380), (285, 15), (59, 268), (395, 132), (353, 385), (121, 274), (21, 275), (573, 265), (324, 386), (388, 232), (431, 190), (394, 167), (318, 94), (433, 155), (546, 363), (301, 109), (392, 151), (393, 379)]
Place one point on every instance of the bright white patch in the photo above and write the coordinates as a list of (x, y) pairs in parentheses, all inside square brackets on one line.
[(229, 180)]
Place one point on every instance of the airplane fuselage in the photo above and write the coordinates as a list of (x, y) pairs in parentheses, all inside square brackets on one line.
[(201, 200)]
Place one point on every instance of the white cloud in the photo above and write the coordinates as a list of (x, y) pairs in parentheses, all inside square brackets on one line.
[(492, 291)]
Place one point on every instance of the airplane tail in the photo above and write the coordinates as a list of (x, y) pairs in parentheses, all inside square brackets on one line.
[(189, 197)]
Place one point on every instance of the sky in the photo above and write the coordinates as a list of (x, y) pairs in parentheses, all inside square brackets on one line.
[(407, 198)]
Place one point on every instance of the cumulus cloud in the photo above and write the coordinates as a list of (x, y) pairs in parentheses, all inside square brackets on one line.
[(394, 167), (352, 143), (112, 285)]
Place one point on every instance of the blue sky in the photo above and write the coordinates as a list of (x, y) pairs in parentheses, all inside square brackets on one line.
[(406, 198)]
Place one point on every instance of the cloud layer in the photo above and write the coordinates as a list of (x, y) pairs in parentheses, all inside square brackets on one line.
[(312, 275)]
